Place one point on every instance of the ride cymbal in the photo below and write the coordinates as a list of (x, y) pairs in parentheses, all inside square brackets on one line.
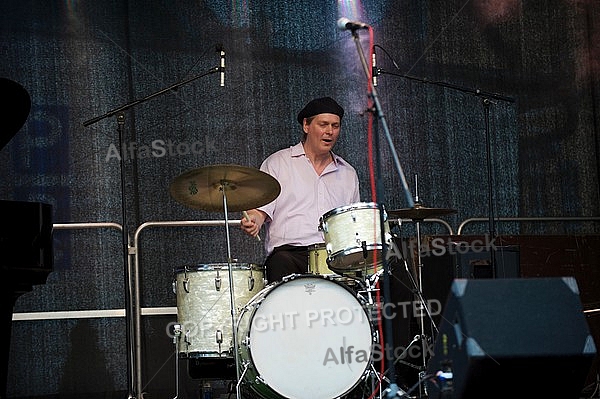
[(419, 212), (245, 188)]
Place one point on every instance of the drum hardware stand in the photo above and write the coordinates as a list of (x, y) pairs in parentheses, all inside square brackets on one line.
[(417, 214), (201, 187), (238, 386), (176, 337), (223, 189), (419, 291), (374, 376), (370, 287)]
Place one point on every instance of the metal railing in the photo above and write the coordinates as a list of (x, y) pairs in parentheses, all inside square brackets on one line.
[(75, 314), (137, 312), (528, 219), (432, 220)]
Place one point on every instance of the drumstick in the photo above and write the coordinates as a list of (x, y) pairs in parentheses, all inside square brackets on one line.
[(248, 219)]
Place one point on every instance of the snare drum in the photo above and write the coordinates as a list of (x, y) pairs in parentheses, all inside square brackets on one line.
[(317, 260), (353, 236), (317, 264), (204, 305), (306, 336)]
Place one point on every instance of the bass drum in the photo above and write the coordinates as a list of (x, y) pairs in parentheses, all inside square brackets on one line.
[(304, 337)]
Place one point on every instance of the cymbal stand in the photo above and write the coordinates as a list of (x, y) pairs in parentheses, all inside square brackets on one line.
[(223, 188), (419, 291), (417, 285)]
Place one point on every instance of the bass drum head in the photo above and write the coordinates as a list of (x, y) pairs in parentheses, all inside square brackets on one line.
[(306, 337)]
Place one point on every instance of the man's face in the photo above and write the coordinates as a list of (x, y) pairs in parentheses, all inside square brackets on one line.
[(323, 131)]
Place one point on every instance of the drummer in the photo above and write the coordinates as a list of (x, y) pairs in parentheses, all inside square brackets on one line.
[(313, 181)]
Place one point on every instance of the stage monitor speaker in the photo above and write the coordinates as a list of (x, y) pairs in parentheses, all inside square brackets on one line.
[(513, 338)]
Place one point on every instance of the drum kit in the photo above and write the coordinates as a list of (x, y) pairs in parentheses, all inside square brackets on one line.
[(309, 335)]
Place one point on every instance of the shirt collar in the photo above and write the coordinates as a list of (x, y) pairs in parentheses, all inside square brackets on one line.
[(298, 150)]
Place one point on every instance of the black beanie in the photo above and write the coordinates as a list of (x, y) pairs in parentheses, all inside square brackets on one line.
[(325, 105)]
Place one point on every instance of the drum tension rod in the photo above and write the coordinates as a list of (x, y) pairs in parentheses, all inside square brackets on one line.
[(218, 282), (219, 339)]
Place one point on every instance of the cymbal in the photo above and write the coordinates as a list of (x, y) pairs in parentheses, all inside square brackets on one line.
[(245, 188), (419, 212)]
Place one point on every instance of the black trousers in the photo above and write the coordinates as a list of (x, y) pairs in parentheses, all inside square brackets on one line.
[(286, 260)]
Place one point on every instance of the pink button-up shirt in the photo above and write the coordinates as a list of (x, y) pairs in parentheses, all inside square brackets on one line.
[(294, 216)]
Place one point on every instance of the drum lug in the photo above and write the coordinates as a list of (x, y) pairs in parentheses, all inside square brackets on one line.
[(323, 227), (186, 285), (259, 380), (219, 339), (246, 341), (218, 283), (186, 339), (250, 283), (176, 333), (174, 286)]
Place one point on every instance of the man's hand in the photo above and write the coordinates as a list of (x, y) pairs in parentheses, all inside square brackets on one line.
[(252, 222)]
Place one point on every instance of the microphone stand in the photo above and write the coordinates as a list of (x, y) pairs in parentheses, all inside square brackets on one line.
[(393, 390), (132, 295), (486, 102), (151, 96)]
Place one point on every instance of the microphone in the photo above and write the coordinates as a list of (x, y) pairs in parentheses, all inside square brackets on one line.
[(221, 51), (374, 70), (346, 24)]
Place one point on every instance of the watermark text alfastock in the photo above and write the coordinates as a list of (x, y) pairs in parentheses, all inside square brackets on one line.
[(440, 247), (160, 148)]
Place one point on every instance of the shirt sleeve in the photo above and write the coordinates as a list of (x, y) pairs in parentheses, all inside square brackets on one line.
[(268, 167)]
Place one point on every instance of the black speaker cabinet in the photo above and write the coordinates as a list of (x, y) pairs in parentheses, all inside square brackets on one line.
[(512, 338)]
